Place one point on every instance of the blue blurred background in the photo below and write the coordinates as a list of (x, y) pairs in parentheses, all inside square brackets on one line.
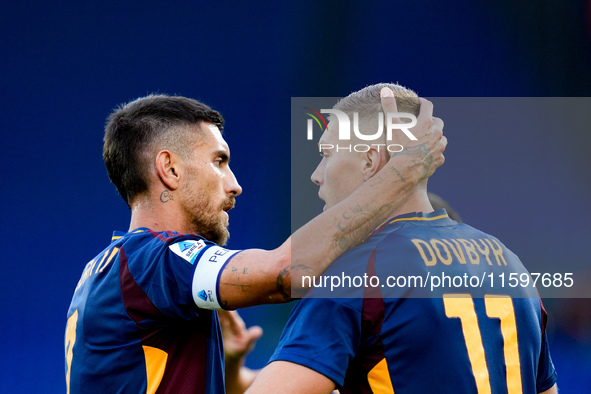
[(65, 65)]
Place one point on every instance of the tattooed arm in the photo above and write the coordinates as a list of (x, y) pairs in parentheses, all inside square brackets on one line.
[(257, 276)]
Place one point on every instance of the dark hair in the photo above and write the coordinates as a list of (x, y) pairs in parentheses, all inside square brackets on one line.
[(137, 130)]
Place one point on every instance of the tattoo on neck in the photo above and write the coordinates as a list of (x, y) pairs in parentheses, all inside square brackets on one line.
[(165, 196)]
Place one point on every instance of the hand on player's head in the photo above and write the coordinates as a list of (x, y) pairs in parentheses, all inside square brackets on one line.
[(430, 143)]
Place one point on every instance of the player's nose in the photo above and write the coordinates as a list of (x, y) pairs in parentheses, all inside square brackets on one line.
[(232, 185), (316, 176)]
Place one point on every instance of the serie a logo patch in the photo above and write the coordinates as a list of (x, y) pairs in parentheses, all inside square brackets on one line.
[(206, 295), (188, 250)]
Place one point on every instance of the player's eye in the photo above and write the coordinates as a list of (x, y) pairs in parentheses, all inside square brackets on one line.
[(221, 159)]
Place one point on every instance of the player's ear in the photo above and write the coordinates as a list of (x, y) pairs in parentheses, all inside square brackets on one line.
[(373, 161), (167, 169)]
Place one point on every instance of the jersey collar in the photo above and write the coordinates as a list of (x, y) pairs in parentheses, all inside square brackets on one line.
[(420, 216), (120, 234)]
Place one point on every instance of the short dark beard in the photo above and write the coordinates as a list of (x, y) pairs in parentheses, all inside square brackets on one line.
[(215, 232), (206, 221), (220, 236)]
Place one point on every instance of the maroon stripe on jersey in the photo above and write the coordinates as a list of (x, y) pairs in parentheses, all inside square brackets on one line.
[(137, 304), (185, 342), (373, 292), (380, 229), (544, 317), (161, 237), (376, 231), (372, 353)]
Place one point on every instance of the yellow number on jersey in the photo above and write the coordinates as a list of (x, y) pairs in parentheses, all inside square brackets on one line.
[(70, 339), (497, 306)]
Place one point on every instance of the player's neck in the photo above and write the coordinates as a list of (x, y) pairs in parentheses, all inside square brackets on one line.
[(417, 201), (152, 213)]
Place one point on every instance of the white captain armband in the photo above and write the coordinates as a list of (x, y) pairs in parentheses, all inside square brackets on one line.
[(206, 276)]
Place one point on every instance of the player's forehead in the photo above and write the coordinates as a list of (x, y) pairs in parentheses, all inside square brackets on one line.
[(330, 134), (214, 138)]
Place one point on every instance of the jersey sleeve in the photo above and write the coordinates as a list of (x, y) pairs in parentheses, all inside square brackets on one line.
[(206, 276), (323, 335), (546, 376), (182, 276), (546, 373)]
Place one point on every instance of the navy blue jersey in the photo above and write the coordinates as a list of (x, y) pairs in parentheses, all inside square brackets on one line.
[(141, 318), (419, 307)]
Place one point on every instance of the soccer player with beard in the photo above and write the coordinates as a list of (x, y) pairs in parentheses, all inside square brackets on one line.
[(143, 316)]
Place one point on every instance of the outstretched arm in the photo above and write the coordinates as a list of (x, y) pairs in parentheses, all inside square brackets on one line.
[(257, 276)]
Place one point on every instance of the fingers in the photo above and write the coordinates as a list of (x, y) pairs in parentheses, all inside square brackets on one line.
[(231, 322), (426, 110), (437, 156), (238, 340), (388, 101), (428, 129), (437, 126), (435, 132), (231, 318), (440, 159), (254, 333), (433, 136), (425, 121), (225, 318)]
